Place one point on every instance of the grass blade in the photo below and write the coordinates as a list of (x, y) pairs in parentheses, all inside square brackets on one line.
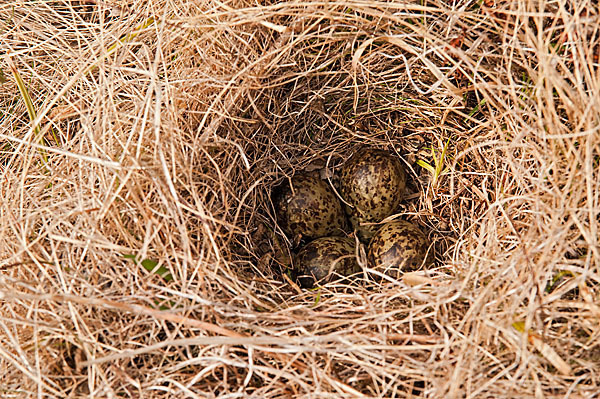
[(124, 39), (29, 104), (151, 266), (425, 165)]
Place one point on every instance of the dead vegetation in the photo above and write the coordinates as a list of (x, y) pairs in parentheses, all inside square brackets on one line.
[(139, 257)]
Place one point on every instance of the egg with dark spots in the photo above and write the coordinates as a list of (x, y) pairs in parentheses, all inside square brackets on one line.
[(307, 207), (325, 259), (372, 182), (397, 247)]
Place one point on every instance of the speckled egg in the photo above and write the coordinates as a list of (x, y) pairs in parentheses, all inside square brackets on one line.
[(308, 208), (398, 246), (373, 183), (321, 259)]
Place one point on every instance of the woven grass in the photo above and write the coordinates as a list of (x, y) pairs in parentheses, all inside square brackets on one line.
[(139, 253)]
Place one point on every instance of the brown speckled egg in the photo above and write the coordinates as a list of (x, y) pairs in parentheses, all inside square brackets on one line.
[(398, 246), (324, 258), (373, 183), (309, 208)]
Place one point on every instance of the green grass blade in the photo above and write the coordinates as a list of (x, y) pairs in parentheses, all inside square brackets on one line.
[(123, 40), (425, 165), (557, 278), (438, 170), (439, 164), (29, 104), (151, 266), (317, 299), (477, 107), (162, 271), (519, 326)]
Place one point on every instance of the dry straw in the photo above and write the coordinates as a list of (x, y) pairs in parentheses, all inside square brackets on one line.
[(139, 257)]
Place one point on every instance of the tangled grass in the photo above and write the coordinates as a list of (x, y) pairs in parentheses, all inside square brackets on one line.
[(139, 255)]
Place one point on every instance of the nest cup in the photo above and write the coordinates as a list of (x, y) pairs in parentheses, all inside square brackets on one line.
[(289, 119)]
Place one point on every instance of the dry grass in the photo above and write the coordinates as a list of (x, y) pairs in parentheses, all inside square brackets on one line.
[(164, 137)]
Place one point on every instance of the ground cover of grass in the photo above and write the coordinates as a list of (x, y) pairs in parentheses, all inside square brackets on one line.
[(140, 141)]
